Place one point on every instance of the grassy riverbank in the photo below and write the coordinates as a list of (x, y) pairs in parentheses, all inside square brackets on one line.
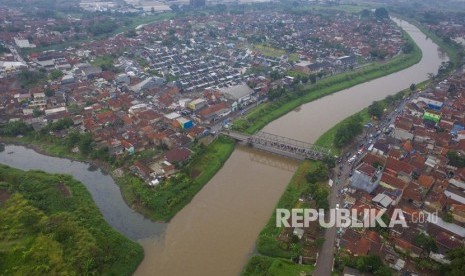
[(161, 203), (327, 139), (270, 111), (451, 50), (263, 265), (269, 244), (50, 225)]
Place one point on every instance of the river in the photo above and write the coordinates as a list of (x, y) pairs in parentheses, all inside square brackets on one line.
[(104, 191), (215, 234)]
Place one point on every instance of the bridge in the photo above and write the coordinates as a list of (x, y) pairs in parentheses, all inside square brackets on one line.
[(281, 145)]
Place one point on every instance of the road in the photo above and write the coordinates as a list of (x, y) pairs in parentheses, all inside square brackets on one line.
[(342, 172)]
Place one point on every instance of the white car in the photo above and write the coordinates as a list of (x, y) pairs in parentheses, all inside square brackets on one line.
[(337, 206)]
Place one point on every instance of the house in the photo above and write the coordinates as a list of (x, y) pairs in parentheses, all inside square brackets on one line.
[(365, 177), (210, 113), (241, 93), (177, 155), (148, 83)]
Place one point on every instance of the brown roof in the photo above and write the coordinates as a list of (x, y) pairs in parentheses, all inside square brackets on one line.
[(371, 159), (413, 192), (393, 181), (426, 181), (177, 155), (448, 241), (399, 166), (366, 169)]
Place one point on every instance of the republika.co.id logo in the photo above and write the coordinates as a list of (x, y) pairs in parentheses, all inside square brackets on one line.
[(347, 218)]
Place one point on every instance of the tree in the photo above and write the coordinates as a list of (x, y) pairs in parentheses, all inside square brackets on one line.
[(15, 128), (455, 159), (348, 131), (381, 13), (412, 87), (448, 217), (408, 47), (457, 264), (375, 109), (55, 74), (426, 242), (85, 144), (37, 113), (49, 92), (365, 14)]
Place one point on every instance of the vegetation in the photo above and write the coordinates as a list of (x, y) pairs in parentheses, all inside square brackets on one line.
[(263, 265), (328, 139), (102, 27), (455, 159), (105, 62), (370, 263), (289, 100), (30, 79), (268, 243), (457, 265), (54, 144), (51, 226), (347, 132), (426, 242), (164, 201), (375, 109), (56, 74)]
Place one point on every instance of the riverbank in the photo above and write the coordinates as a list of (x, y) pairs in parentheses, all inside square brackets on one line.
[(163, 202), (269, 244), (451, 50), (54, 150), (270, 111), (159, 203)]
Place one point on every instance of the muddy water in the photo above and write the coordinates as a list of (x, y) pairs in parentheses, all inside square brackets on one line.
[(215, 233), (315, 118)]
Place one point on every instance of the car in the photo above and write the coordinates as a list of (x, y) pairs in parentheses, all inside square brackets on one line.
[(337, 206)]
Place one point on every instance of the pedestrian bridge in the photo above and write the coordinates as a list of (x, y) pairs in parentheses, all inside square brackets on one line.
[(281, 145)]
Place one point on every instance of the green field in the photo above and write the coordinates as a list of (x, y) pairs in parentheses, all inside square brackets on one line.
[(262, 265), (51, 226)]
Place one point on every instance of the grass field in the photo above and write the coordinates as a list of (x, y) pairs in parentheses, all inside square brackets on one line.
[(263, 265)]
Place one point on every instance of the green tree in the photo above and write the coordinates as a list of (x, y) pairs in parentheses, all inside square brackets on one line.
[(455, 159), (375, 109), (381, 13), (15, 128), (85, 144), (457, 265), (55, 74), (348, 131), (426, 242), (365, 14)]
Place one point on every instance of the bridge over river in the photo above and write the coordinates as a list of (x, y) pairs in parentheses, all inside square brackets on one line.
[(281, 145)]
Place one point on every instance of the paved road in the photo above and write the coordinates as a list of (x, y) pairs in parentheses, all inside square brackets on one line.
[(325, 261)]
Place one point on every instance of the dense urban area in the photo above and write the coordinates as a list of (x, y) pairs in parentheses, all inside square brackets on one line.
[(149, 92)]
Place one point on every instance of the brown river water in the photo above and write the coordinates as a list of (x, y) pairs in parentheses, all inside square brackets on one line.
[(215, 234)]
